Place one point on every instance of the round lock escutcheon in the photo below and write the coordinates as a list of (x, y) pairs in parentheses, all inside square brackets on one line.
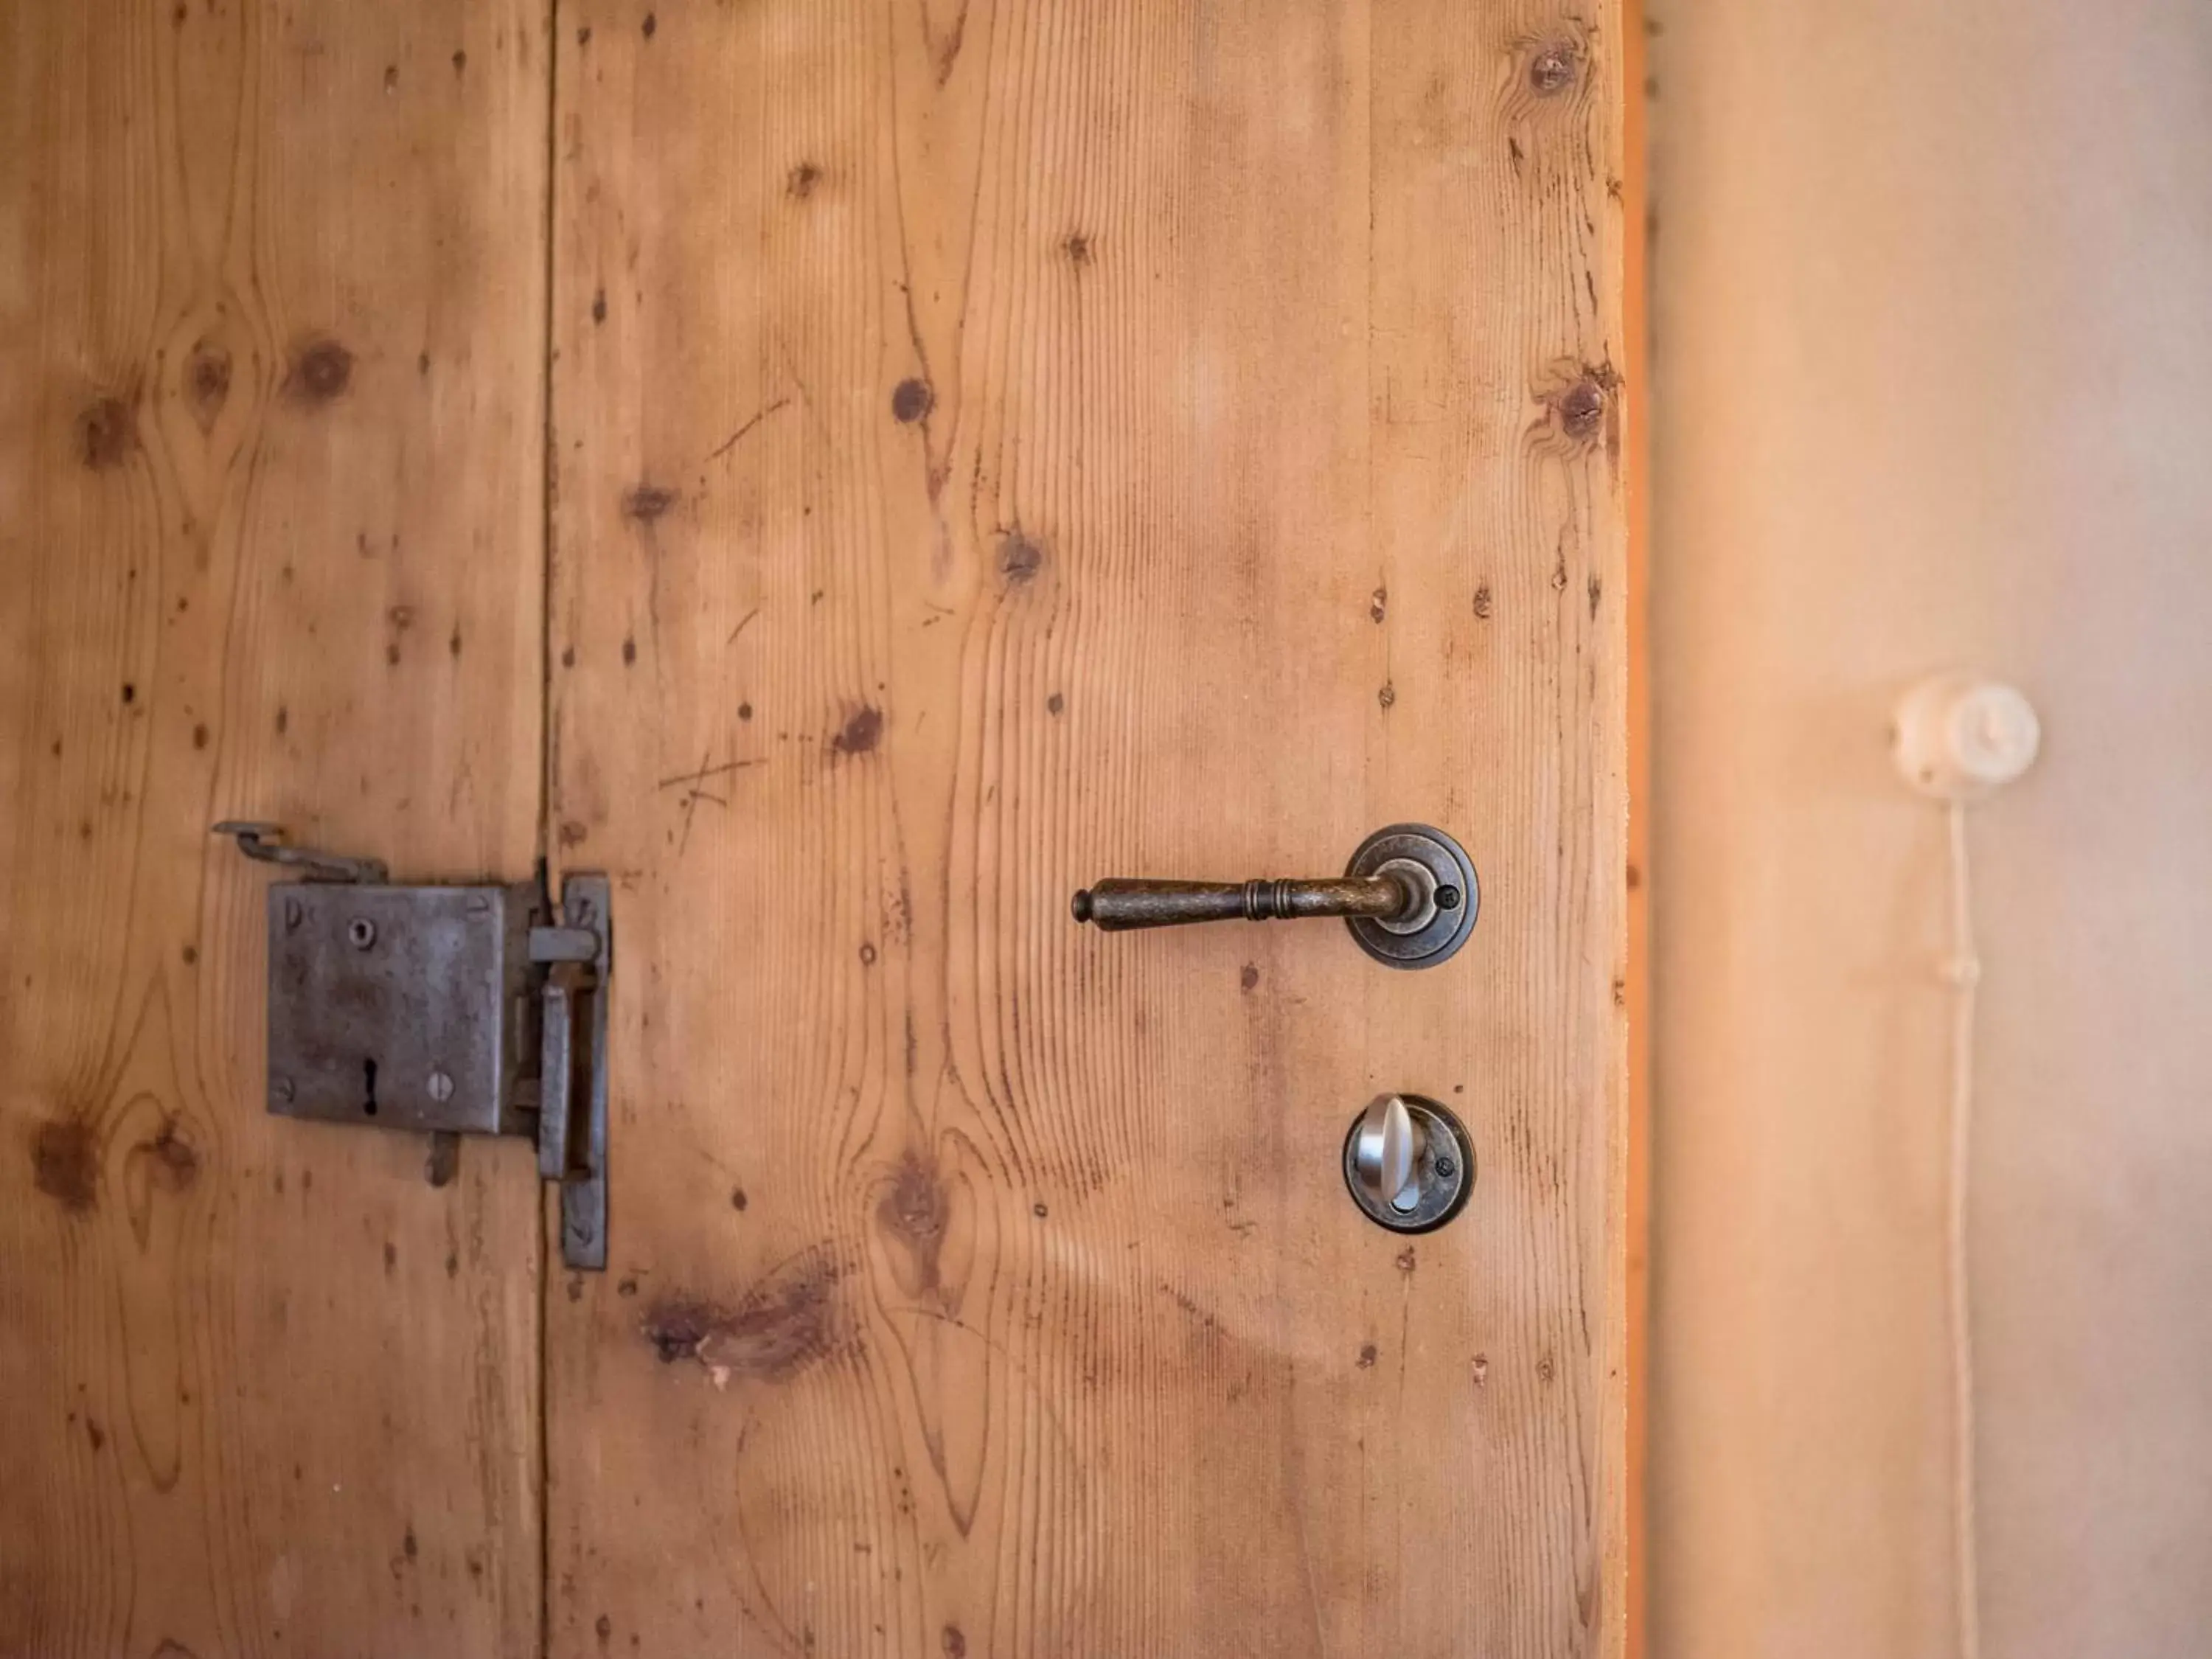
[(1439, 881), (1408, 1162)]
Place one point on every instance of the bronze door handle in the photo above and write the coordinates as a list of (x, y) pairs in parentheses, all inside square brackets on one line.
[(1408, 895), (1123, 901)]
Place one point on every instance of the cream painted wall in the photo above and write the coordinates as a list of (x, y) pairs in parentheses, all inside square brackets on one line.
[(1933, 321)]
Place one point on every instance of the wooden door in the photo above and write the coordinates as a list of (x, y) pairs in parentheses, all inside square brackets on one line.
[(854, 474), (995, 446)]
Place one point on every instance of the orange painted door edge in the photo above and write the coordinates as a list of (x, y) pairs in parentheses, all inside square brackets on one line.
[(1636, 326)]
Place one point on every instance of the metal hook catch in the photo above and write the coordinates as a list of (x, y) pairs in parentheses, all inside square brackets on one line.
[(265, 841)]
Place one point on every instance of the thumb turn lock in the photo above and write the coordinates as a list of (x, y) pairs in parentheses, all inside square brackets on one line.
[(1408, 1162)]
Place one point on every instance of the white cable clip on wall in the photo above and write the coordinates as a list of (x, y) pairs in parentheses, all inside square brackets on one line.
[(1959, 738)]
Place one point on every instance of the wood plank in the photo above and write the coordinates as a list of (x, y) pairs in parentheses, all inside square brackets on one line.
[(271, 396), (998, 446)]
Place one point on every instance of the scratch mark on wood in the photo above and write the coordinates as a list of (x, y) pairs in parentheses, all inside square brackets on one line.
[(733, 441)]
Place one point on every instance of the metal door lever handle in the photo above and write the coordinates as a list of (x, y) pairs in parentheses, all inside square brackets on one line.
[(1409, 897), (1121, 903)]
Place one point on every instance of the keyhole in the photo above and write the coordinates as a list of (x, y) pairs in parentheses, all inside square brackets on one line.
[(368, 1087)]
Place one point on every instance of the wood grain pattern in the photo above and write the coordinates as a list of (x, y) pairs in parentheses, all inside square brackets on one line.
[(271, 395), (999, 445)]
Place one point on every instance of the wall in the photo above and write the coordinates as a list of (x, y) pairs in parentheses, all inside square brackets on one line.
[(1933, 337)]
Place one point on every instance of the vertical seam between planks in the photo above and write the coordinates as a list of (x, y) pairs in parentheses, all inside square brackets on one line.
[(545, 600)]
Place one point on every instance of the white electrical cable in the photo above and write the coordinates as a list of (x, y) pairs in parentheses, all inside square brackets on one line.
[(1963, 970), (1957, 737)]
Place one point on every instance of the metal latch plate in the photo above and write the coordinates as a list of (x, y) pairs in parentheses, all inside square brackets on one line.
[(477, 1009), (406, 1006)]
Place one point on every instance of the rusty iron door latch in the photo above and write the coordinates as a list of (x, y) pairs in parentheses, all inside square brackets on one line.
[(451, 1010)]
